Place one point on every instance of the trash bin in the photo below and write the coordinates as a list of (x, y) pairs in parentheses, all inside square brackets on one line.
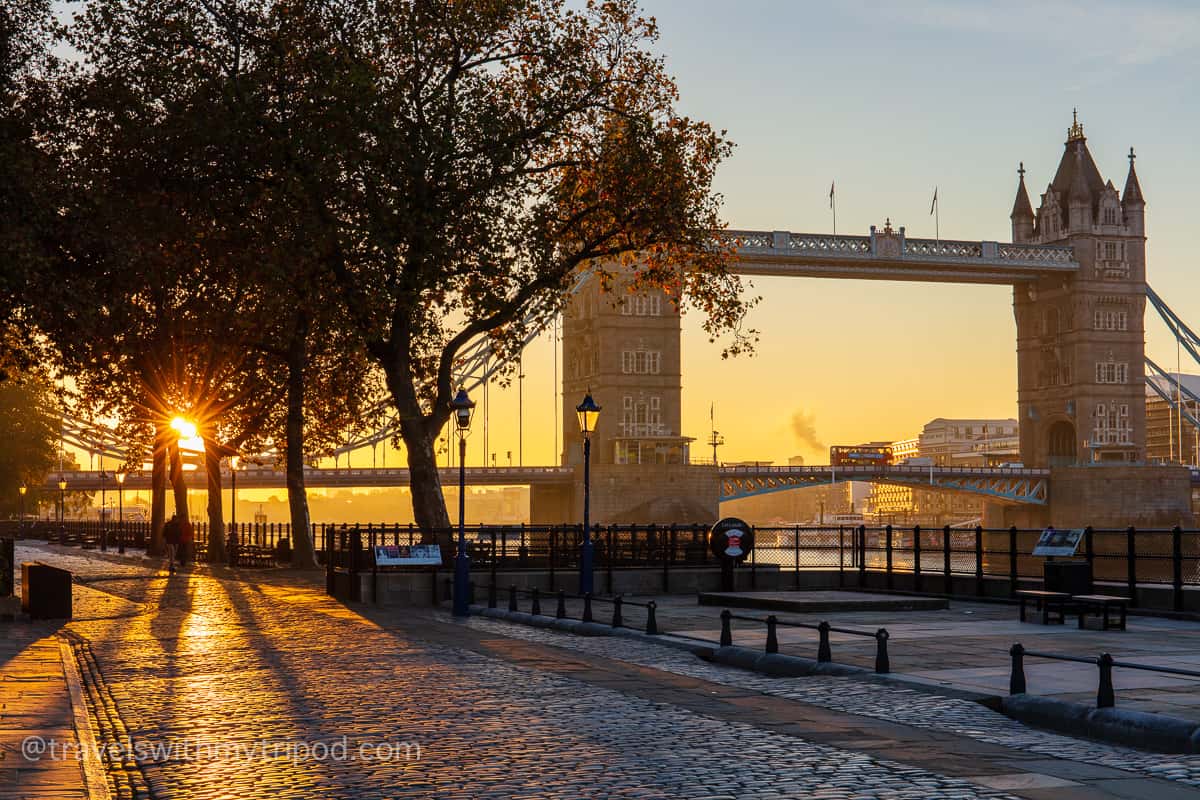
[(283, 549), (1072, 577), (45, 591)]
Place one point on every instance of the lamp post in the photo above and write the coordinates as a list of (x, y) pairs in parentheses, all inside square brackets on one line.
[(589, 414), (463, 409), (103, 507), (62, 509), (21, 524), (233, 530), (120, 512)]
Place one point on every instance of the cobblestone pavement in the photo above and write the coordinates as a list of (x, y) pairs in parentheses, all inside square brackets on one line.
[(867, 698), (271, 690)]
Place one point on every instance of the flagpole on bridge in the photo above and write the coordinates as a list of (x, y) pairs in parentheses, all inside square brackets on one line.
[(937, 219), (833, 205)]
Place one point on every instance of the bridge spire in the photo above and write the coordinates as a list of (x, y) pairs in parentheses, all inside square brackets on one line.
[(1133, 190), (1022, 212)]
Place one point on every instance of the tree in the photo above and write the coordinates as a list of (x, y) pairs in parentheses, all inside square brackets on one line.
[(28, 441), (468, 159)]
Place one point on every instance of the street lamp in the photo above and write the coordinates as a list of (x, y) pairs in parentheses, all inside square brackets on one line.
[(589, 414), (233, 530), (62, 509), (21, 525), (103, 520), (463, 408), (120, 512)]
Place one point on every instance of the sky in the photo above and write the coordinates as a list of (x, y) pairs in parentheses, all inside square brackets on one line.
[(890, 100)]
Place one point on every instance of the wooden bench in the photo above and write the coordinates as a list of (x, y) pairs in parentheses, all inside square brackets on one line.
[(1103, 602), (1047, 603)]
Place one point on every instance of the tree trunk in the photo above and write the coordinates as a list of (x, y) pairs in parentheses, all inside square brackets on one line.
[(429, 504), (303, 553), (178, 485), (216, 516), (158, 491)]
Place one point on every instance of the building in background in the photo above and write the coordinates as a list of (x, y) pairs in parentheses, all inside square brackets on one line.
[(950, 443), (1170, 439)]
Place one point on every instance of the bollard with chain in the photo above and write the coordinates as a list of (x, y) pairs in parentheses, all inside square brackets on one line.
[(536, 603), (1016, 682), (772, 638), (726, 631), (587, 606), (651, 621), (617, 622), (824, 656), (491, 595), (561, 611), (512, 598), (1104, 695), (882, 665)]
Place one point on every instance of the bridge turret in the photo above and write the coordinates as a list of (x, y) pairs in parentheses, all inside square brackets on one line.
[(1022, 213), (1132, 202)]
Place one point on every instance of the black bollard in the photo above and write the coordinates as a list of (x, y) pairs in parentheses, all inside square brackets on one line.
[(617, 622), (824, 655), (1104, 696), (536, 605), (561, 611), (1016, 681), (651, 621), (512, 598), (587, 606), (491, 595), (726, 631), (772, 639), (882, 665)]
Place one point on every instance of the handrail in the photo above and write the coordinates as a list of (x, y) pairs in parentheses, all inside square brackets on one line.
[(1105, 696)]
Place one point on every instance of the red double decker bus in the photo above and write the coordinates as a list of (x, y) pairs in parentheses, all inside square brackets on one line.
[(862, 455)]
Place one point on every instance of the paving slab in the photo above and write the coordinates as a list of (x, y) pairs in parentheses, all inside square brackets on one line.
[(820, 601)]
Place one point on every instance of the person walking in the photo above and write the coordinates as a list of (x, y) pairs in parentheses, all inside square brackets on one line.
[(187, 542), (172, 535)]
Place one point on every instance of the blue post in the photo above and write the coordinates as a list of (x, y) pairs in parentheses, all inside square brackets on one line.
[(462, 564), (585, 555)]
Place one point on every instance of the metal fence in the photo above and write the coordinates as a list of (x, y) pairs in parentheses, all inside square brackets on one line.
[(942, 560)]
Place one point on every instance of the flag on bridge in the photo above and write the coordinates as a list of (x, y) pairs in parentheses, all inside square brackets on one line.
[(831, 194), (933, 205)]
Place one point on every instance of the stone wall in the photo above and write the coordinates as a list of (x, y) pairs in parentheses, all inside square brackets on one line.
[(652, 493), (1105, 496)]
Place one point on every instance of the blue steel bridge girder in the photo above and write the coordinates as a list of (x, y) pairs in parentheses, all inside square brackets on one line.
[(1016, 486)]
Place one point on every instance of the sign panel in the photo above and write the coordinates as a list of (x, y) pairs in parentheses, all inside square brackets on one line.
[(1058, 543), (395, 555), (731, 539)]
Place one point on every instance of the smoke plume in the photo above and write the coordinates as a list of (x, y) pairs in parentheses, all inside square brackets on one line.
[(804, 426)]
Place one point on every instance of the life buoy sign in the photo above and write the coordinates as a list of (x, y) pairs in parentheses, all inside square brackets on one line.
[(731, 539)]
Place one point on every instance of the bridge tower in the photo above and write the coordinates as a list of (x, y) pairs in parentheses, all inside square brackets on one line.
[(1080, 339), (624, 347)]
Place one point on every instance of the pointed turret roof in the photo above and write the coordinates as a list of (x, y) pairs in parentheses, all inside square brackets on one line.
[(1133, 190), (1077, 179), (1022, 208)]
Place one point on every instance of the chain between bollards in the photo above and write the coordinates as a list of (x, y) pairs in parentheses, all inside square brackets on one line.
[(824, 655), (772, 638), (1016, 681), (561, 611), (617, 622), (651, 621), (882, 665), (726, 631)]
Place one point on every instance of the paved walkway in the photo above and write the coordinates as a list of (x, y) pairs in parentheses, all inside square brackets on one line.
[(207, 686), (966, 646)]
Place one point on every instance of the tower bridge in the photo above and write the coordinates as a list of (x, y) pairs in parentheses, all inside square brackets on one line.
[(1077, 266)]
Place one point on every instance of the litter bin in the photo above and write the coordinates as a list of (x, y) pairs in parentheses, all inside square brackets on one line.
[(283, 549), (1072, 577), (45, 591)]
